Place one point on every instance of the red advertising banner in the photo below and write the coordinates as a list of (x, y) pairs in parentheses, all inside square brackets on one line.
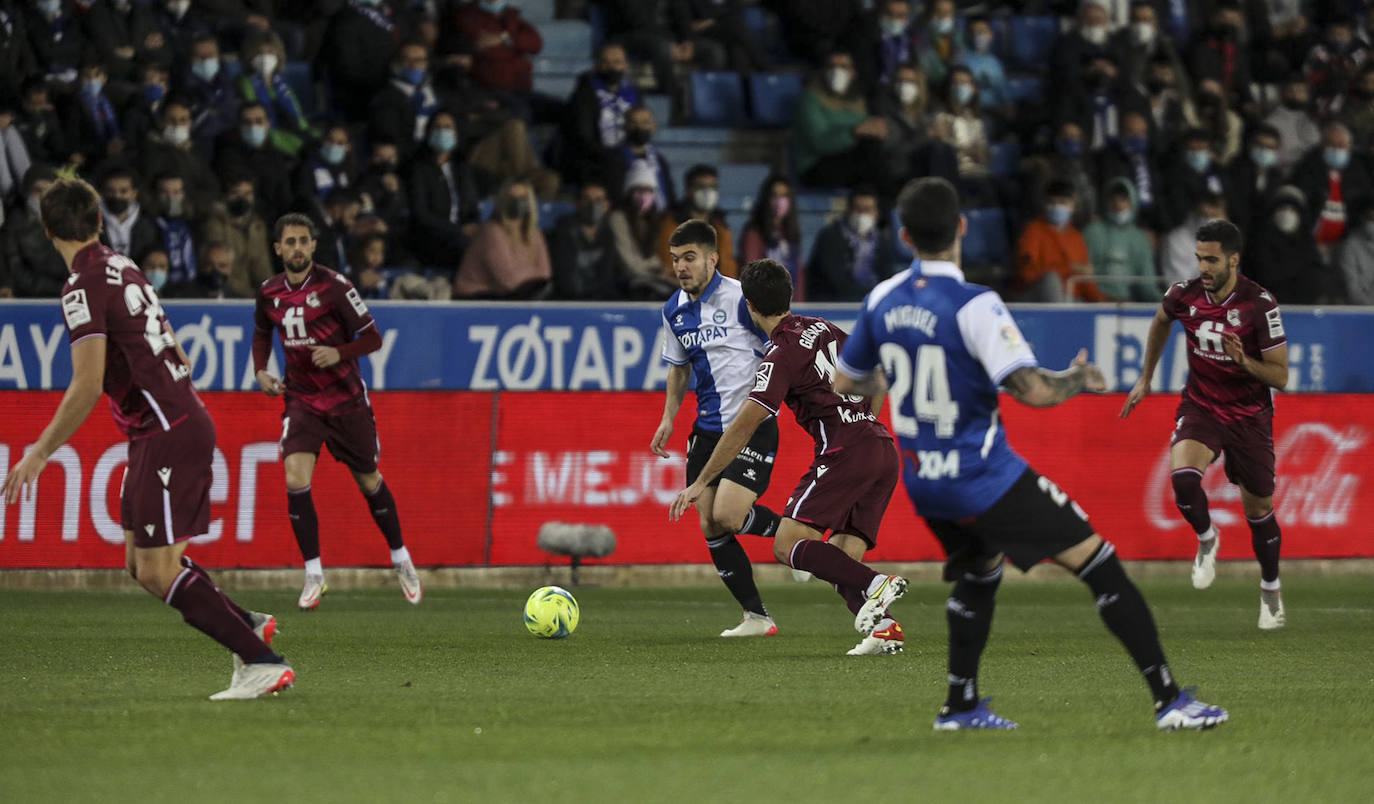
[(476, 474)]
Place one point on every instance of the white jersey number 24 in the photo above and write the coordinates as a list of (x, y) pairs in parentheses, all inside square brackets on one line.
[(932, 402)]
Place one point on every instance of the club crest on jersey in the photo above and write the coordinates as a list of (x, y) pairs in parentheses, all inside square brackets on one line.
[(313, 299), (1233, 317), (718, 316)]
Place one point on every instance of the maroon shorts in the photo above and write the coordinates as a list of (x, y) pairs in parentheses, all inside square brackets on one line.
[(165, 495), (1248, 445), (847, 489), (351, 436)]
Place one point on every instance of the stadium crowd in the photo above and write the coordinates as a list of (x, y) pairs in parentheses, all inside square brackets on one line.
[(1088, 140)]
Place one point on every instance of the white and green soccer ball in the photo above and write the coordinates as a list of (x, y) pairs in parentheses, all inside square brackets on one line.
[(551, 612)]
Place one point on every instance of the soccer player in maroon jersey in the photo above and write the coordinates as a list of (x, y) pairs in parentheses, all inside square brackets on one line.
[(324, 327), (853, 474), (123, 346), (1237, 355)]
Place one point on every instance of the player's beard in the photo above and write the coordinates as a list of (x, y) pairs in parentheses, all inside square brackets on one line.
[(299, 266)]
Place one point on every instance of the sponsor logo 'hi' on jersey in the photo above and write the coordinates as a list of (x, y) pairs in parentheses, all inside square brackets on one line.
[(716, 336), (108, 297), (945, 346), (1215, 382), (799, 369), (324, 310)]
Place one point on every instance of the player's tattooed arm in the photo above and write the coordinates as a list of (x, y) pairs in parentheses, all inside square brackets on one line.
[(1042, 388)]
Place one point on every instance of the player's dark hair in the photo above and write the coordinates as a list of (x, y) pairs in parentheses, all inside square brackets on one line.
[(768, 286), (293, 219), (71, 210), (694, 233), (1223, 232), (929, 211)]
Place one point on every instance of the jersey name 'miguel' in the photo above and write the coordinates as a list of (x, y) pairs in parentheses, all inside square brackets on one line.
[(910, 316)]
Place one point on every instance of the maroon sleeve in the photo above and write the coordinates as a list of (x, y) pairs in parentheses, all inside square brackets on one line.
[(1268, 323), (84, 303), (773, 378), (365, 344), (262, 335), (351, 308), (1173, 305)]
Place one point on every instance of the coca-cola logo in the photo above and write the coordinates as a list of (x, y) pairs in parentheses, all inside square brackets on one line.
[(1317, 483)]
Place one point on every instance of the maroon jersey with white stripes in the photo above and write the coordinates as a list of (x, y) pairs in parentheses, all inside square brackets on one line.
[(324, 310), (1215, 382), (108, 297), (799, 369)]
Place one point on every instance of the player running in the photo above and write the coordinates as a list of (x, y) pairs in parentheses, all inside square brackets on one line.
[(707, 332), (945, 346), (324, 328), (852, 475), (1237, 355), (122, 344)]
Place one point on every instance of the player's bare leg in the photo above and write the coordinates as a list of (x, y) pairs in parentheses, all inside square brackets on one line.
[(1189, 459), (802, 547), (305, 524), (887, 636), (1266, 539), (185, 586), (722, 511), (383, 508)]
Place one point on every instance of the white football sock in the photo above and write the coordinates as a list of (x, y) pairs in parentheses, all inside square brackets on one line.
[(400, 555), (313, 566)]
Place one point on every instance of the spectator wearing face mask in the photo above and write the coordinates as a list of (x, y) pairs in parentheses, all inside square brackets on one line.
[(1131, 157), (119, 30), (443, 196), (638, 149), (251, 149), (127, 229), (170, 149), (156, 267), (1178, 252), (1298, 129), (1281, 255), (35, 269), (1357, 113), (334, 243), (1329, 175), (369, 260), (181, 22), (400, 113), (1191, 173), (1332, 64), (1051, 251), (215, 269), (1354, 258), (1223, 52), (176, 223), (1223, 126), (92, 120), (1118, 248), (143, 108), (214, 102), (938, 43), (262, 82), (594, 125), (328, 167), (700, 202), (234, 222), (634, 227), (1074, 50), (889, 42), (1069, 161), (38, 124), (961, 127), (1099, 103), (1169, 98), (774, 231), (851, 254), (1142, 42), (836, 142), (910, 151), (988, 75), (384, 192), (1253, 177), (585, 267), (508, 259)]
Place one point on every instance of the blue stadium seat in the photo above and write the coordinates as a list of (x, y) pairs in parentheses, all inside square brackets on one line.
[(742, 180), (558, 86), (704, 136), (1026, 89), (1030, 41), (811, 224), (818, 201), (661, 106), (547, 66), (774, 97), (538, 12), (550, 212), (986, 239), (1006, 159), (682, 157), (717, 98), (566, 39), (596, 17), (297, 76)]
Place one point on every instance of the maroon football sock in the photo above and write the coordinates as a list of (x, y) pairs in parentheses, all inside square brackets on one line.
[(383, 507), (1191, 499), (205, 576), (830, 563), (853, 598), (203, 608), (304, 522), (1266, 538)]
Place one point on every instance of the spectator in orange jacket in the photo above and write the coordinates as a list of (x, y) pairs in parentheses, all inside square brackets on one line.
[(1052, 250), (501, 42)]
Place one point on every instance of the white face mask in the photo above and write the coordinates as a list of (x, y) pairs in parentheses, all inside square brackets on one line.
[(176, 135), (863, 222), (839, 80), (1143, 33), (908, 92), (1287, 220), (705, 198), (265, 63), (1097, 34)]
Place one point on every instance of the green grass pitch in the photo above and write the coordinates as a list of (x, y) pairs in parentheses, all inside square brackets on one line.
[(103, 699)]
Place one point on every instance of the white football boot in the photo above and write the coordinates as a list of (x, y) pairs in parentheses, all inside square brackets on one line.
[(265, 626), (875, 607), (1205, 564), (1271, 610), (314, 589), (886, 638), (256, 680), (410, 582), (752, 625)]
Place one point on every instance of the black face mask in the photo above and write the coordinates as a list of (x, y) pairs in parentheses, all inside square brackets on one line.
[(515, 208), (1295, 104), (238, 207), (612, 78), (1157, 85), (1209, 102), (117, 205), (385, 166), (638, 136), (591, 214)]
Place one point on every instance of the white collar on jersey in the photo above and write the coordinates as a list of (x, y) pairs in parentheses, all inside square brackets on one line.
[(938, 268)]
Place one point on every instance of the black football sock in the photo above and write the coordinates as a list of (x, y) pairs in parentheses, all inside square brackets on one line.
[(1191, 499), (1123, 609), (383, 508), (1266, 539), (968, 613), (304, 522), (736, 571), (761, 522)]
